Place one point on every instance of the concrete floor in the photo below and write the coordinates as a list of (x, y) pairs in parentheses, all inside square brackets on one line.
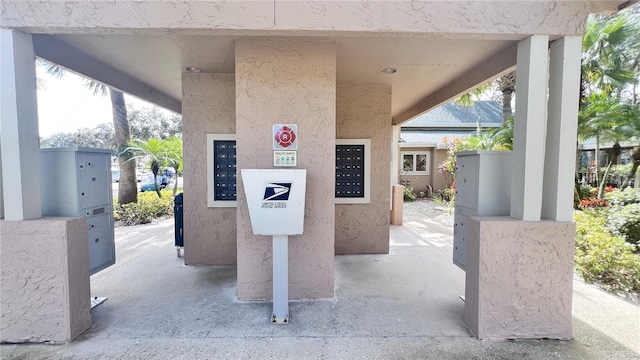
[(404, 305)]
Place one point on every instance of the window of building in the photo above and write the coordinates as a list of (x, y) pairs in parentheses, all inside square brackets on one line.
[(221, 170), (416, 163), (352, 171)]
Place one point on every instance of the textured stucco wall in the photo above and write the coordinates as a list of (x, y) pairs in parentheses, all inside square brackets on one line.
[(208, 107), (45, 285), (438, 181), (364, 112), (469, 17), (519, 278), (288, 82)]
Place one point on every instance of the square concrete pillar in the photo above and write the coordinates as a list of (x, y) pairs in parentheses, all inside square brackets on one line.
[(208, 107), (530, 122), (562, 129), (46, 294), (519, 278), (364, 112), (19, 123), (288, 82), (397, 200)]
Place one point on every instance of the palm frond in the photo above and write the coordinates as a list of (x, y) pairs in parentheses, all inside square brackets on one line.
[(97, 88)]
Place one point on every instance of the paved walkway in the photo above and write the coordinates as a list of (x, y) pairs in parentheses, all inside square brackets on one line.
[(404, 305)]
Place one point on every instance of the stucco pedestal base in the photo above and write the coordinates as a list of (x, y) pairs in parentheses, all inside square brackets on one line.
[(396, 204), (519, 278), (46, 295)]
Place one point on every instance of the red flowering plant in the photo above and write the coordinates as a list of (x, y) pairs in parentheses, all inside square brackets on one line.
[(448, 166), (447, 169), (591, 203)]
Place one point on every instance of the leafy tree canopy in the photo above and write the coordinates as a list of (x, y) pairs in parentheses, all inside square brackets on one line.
[(145, 123)]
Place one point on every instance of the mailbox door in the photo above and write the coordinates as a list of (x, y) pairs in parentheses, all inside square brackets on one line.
[(101, 245), (94, 180)]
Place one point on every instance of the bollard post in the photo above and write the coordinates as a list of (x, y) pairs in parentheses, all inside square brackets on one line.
[(397, 200)]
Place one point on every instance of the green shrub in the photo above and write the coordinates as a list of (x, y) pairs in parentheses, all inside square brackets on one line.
[(625, 221), (408, 193), (628, 196), (602, 257), (148, 208), (586, 191), (623, 218), (619, 170)]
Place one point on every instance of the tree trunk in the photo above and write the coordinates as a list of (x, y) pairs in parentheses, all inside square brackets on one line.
[(506, 106), (507, 85), (128, 186), (175, 186), (636, 162), (616, 150), (155, 185), (598, 160)]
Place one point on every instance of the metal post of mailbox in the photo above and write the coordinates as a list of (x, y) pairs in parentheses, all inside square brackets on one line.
[(275, 198), (280, 279)]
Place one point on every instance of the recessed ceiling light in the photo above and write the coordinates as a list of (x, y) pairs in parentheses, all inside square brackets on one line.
[(389, 71), (193, 69)]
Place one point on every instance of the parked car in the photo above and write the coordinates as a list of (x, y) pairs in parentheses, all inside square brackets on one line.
[(147, 182), (115, 176), (168, 172)]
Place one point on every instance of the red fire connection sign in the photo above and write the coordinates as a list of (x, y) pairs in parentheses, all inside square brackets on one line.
[(285, 136)]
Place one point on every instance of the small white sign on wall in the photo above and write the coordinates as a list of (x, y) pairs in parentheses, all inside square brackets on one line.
[(285, 137), (285, 158)]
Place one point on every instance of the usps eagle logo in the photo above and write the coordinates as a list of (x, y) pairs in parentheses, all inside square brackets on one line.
[(277, 192)]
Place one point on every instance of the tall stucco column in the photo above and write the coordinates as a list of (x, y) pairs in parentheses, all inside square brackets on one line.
[(519, 270), (395, 154), (208, 107), (288, 82), (19, 126), (562, 129), (529, 128)]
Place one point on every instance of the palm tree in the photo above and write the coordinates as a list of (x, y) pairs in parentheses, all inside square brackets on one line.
[(505, 85), (605, 118), (158, 153), (607, 55), (174, 157), (127, 186)]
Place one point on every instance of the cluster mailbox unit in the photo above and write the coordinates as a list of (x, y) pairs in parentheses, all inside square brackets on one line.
[(483, 188), (275, 198), (76, 182)]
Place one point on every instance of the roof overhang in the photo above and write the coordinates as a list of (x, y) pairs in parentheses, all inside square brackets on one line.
[(439, 48)]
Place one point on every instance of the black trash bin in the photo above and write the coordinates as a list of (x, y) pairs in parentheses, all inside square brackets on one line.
[(178, 216)]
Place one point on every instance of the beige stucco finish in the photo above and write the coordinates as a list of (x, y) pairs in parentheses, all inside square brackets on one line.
[(46, 294), (364, 112), (519, 278), (438, 180), (208, 107), (288, 82), (474, 17)]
